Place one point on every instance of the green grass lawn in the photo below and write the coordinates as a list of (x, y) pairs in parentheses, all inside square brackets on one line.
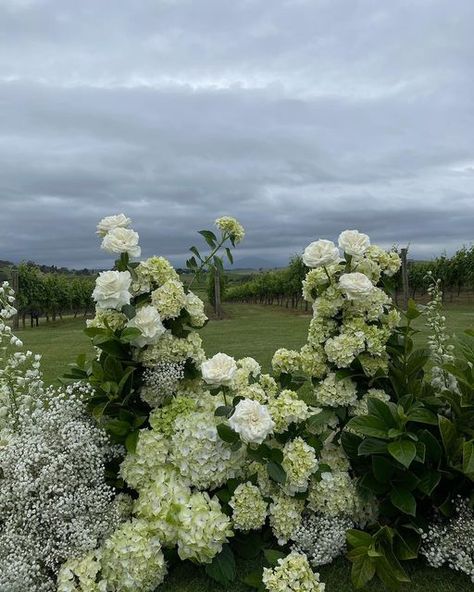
[(247, 331)]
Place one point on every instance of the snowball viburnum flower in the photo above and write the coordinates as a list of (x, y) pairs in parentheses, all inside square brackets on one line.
[(148, 321), (112, 289), (252, 421), (320, 253), (110, 222), (353, 242), (122, 240), (219, 370), (355, 285)]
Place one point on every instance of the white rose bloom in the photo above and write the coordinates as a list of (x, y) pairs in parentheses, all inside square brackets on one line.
[(219, 370), (353, 242), (122, 240), (112, 289), (110, 222), (355, 285), (148, 321), (252, 421), (321, 252)]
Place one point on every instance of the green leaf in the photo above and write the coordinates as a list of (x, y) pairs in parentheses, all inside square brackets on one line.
[(422, 415), (412, 312), (227, 434), (276, 472), (273, 555), (468, 458), (449, 436), (429, 480), (369, 425), (402, 450), (363, 570), (382, 468), (386, 412), (209, 237), (254, 580), (129, 334), (372, 446), (319, 419), (222, 569), (359, 538), (223, 411), (131, 441), (404, 500), (229, 255), (433, 447), (117, 427), (195, 252), (129, 311)]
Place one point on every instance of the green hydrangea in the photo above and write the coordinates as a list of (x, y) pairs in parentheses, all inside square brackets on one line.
[(287, 408), (299, 462), (292, 574), (249, 507)]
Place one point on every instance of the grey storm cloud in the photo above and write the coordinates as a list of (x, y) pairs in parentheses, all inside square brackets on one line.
[(299, 117)]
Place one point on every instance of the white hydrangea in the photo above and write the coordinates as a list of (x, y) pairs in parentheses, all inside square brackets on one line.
[(299, 462), (195, 308), (342, 349), (108, 318), (249, 509), (132, 558), (231, 227), (154, 272), (169, 299), (145, 464), (334, 494), (204, 529), (173, 349), (332, 392), (313, 360), (81, 574), (286, 361), (285, 516), (292, 574), (199, 453), (251, 366), (161, 501), (287, 408)]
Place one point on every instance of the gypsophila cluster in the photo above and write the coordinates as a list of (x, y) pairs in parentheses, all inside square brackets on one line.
[(321, 538), (438, 340), (292, 574), (452, 541), (160, 382), (7, 299), (54, 502)]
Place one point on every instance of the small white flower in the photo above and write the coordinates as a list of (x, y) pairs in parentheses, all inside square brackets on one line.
[(320, 252), (353, 242), (355, 285), (219, 370), (148, 321), (252, 421), (112, 289), (110, 222), (122, 240)]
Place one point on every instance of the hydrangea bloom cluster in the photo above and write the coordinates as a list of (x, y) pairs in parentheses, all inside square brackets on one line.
[(292, 574), (452, 541), (321, 538), (299, 462), (249, 509), (230, 227)]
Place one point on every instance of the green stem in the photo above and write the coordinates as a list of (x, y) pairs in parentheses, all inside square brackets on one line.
[(208, 258)]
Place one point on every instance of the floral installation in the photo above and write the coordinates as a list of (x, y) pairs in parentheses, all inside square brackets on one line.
[(175, 456)]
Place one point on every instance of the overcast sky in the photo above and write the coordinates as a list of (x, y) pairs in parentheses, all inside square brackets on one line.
[(300, 118)]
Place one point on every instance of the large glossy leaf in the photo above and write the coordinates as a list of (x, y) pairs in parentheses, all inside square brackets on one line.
[(369, 425), (402, 450), (404, 500)]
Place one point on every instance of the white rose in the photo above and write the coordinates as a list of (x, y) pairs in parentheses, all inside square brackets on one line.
[(112, 289), (122, 240), (219, 370), (148, 321), (320, 252), (252, 421), (353, 242), (355, 285), (110, 222)]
